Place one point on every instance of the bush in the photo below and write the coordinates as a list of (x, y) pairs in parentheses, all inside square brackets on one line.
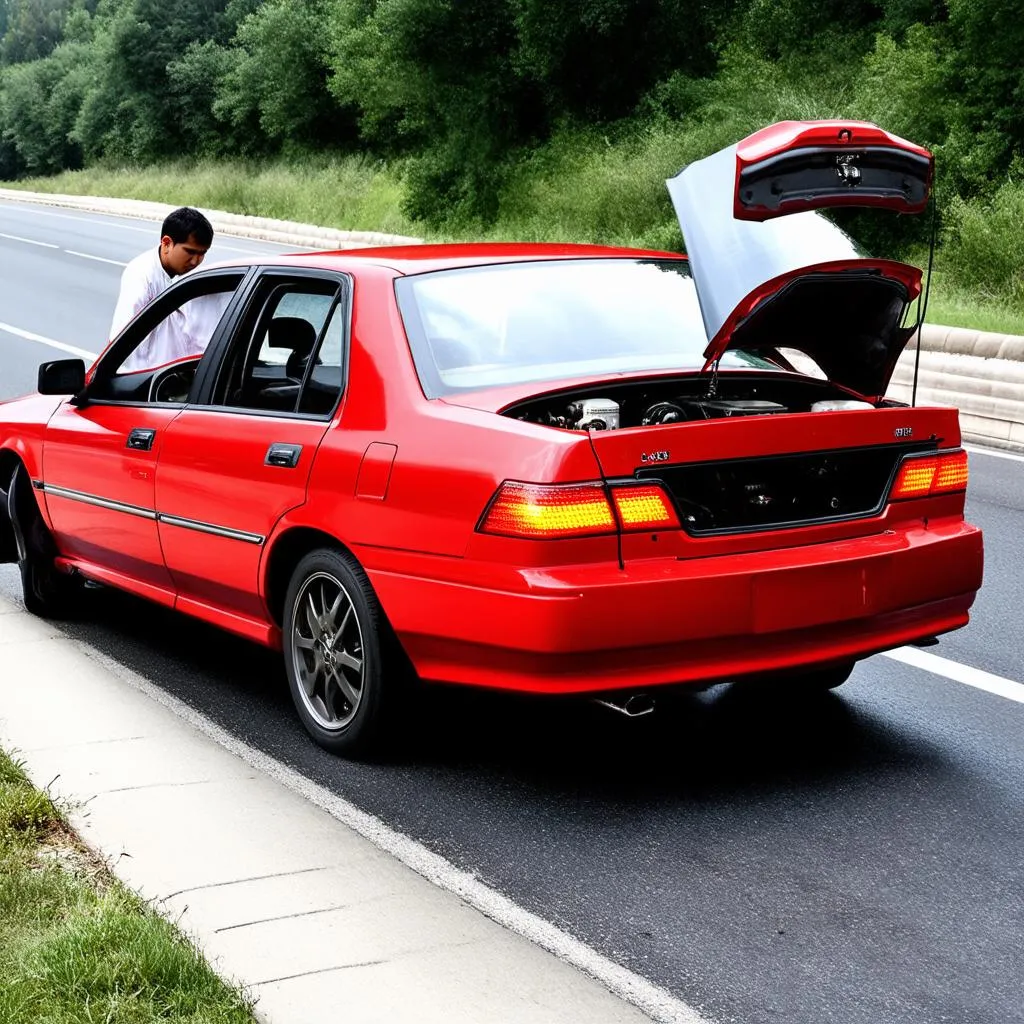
[(982, 243)]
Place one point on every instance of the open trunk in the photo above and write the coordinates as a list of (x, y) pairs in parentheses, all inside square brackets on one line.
[(747, 451)]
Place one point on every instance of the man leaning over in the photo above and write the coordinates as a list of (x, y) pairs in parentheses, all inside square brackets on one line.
[(185, 238)]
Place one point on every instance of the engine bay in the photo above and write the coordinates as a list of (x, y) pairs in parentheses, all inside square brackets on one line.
[(682, 400)]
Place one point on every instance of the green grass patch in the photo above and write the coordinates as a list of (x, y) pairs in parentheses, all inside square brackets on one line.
[(76, 947), (584, 186), (351, 193)]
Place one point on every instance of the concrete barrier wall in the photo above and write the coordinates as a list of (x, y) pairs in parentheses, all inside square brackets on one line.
[(980, 373)]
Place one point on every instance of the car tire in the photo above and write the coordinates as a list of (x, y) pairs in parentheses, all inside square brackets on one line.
[(46, 591), (343, 663)]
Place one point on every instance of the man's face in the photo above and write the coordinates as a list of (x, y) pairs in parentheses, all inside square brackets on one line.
[(181, 257)]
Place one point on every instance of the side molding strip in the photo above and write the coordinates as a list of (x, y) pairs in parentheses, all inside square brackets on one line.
[(147, 513)]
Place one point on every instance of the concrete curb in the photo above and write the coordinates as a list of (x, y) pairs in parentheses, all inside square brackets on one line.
[(315, 919), (240, 225), (978, 372)]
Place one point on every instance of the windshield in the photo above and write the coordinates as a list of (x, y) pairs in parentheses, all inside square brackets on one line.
[(513, 323)]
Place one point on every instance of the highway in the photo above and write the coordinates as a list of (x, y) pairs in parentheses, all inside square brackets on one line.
[(856, 858)]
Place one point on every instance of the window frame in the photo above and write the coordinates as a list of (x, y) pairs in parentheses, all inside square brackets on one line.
[(211, 373), (138, 328)]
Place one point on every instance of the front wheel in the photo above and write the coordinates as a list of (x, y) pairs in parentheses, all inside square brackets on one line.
[(338, 653), (47, 592)]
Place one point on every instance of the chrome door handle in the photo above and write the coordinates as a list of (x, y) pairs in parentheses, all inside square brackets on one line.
[(284, 455), (141, 439)]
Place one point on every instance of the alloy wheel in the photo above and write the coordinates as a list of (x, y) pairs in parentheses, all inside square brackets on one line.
[(327, 651)]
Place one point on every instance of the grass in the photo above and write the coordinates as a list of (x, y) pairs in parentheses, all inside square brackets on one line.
[(348, 193), (76, 947), (581, 187)]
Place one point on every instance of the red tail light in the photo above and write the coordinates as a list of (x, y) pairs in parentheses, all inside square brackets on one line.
[(548, 512), (923, 476)]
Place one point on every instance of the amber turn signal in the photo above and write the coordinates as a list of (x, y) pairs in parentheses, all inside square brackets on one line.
[(923, 476), (551, 511)]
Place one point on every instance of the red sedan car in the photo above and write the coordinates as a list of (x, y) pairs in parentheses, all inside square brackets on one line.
[(547, 468)]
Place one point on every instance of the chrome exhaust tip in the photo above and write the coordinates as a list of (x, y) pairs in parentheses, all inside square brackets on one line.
[(633, 706)]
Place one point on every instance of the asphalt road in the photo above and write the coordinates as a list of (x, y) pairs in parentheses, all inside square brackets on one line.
[(856, 858)]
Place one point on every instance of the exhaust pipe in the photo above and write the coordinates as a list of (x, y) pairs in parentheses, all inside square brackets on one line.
[(633, 706)]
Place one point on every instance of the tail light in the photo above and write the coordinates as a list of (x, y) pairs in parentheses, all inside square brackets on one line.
[(923, 476), (552, 511)]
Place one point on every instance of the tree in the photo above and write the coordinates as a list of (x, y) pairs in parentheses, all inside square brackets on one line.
[(32, 29)]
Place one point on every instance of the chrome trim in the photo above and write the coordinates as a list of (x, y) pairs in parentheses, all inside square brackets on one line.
[(92, 499), (145, 513), (217, 531)]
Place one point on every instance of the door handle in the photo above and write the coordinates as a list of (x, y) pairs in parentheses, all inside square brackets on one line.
[(284, 455), (141, 439)]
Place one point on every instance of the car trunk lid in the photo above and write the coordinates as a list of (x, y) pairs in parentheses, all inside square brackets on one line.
[(771, 271)]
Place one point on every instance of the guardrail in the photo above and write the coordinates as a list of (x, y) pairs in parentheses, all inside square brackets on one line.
[(980, 373)]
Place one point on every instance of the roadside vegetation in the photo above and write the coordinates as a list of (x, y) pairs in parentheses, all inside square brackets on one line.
[(516, 119), (76, 947)]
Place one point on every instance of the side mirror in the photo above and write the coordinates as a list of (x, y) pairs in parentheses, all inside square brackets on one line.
[(62, 377)]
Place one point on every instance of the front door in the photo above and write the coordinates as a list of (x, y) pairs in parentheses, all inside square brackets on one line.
[(232, 465), (100, 455)]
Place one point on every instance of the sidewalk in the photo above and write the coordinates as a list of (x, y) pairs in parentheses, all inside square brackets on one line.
[(317, 921)]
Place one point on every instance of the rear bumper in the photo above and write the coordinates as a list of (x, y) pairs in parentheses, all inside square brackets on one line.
[(590, 628)]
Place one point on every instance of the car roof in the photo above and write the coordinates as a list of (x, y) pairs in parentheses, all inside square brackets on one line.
[(421, 259)]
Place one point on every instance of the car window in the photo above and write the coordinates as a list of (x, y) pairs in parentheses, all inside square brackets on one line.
[(533, 321), (287, 353), (170, 336)]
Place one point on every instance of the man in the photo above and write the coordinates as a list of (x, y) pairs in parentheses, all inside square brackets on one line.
[(185, 238)]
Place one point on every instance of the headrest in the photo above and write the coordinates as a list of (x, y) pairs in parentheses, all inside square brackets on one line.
[(292, 332)]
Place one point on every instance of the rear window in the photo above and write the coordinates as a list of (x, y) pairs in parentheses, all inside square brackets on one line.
[(515, 323)]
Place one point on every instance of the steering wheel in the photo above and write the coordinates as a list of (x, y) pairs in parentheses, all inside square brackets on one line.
[(173, 385)]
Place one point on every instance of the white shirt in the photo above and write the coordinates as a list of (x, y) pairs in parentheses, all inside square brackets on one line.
[(185, 332)]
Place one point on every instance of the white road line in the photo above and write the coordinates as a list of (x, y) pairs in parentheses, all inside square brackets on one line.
[(959, 673), (29, 241), (114, 221), (99, 259), (659, 1004), (974, 449), (60, 345)]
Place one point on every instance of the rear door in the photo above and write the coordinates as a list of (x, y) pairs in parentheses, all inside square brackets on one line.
[(235, 462)]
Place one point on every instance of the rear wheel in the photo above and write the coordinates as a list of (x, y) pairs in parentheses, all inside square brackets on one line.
[(341, 659), (47, 592)]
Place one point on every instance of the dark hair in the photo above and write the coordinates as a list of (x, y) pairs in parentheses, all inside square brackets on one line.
[(184, 222)]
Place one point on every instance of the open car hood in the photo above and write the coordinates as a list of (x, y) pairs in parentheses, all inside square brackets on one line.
[(772, 272)]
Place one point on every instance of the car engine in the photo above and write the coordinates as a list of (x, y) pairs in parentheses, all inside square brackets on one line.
[(645, 403)]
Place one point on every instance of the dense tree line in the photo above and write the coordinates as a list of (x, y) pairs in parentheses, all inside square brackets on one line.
[(464, 91)]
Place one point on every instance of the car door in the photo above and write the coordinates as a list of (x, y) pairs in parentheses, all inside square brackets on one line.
[(234, 463), (100, 449)]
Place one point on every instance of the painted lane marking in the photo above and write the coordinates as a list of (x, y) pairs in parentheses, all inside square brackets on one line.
[(60, 345), (974, 449), (114, 220), (99, 259), (953, 670), (29, 241)]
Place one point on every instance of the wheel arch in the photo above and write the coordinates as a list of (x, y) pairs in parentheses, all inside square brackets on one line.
[(10, 462), (286, 550)]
